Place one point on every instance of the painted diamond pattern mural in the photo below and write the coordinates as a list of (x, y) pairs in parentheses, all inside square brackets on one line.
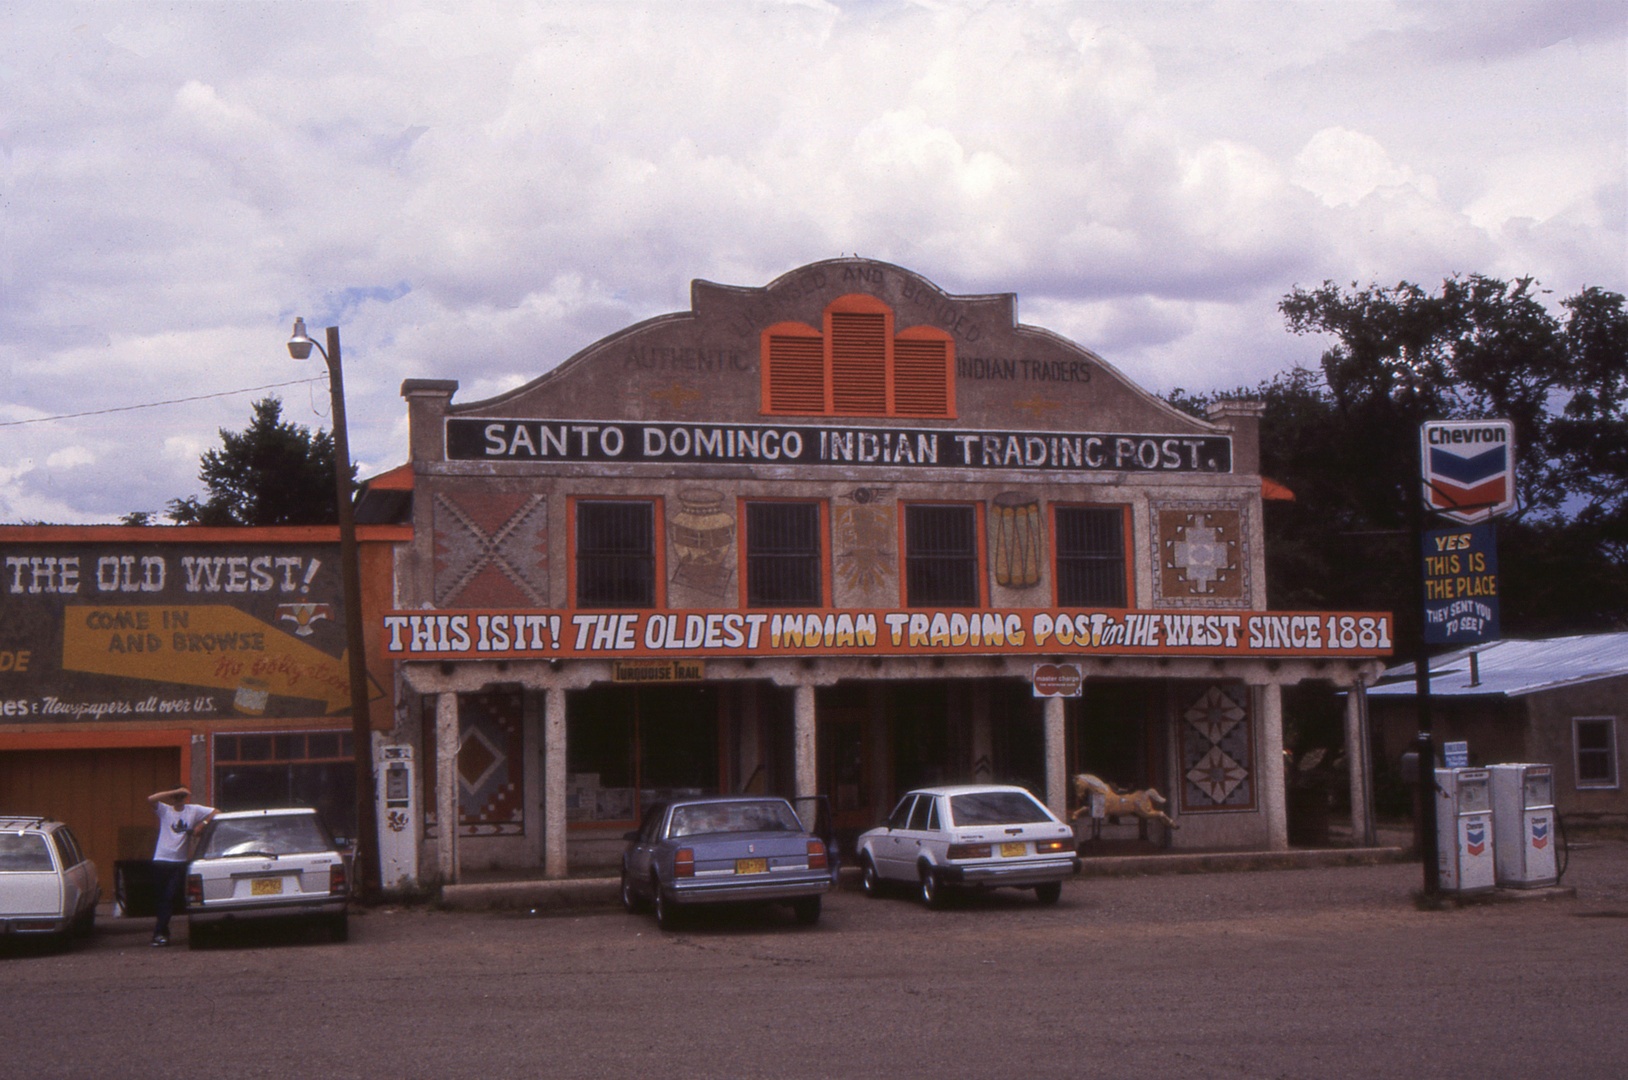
[(491, 550), (491, 772), (1201, 555), (1216, 751)]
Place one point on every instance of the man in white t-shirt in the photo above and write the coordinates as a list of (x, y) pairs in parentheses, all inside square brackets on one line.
[(178, 822)]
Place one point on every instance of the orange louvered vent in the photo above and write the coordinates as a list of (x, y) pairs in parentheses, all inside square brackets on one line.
[(796, 374), (858, 364), (921, 377)]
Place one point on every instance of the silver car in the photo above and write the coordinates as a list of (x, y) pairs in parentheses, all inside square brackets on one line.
[(969, 836), (48, 888), (266, 864)]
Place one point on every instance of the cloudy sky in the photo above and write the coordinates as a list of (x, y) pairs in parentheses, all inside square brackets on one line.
[(479, 190)]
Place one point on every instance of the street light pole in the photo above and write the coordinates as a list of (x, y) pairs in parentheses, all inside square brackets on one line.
[(366, 844)]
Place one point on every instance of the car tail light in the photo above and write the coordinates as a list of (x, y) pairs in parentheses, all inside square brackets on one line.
[(684, 862), (338, 884), (968, 851), (816, 855), (194, 890), (1048, 847)]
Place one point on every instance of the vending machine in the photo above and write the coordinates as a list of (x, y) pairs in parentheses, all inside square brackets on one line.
[(1524, 823), (1464, 830), (398, 817)]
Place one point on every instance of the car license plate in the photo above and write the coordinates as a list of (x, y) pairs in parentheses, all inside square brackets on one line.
[(266, 886), (751, 866), (1012, 851)]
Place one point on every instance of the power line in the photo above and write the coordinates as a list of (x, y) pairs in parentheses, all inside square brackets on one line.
[(156, 404)]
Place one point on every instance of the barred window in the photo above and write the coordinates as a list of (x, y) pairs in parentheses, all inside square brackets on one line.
[(941, 556), (783, 554), (1090, 547), (616, 554)]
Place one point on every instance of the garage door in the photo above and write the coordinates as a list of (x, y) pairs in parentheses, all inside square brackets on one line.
[(101, 793)]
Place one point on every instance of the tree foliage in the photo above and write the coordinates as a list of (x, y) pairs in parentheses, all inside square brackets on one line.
[(1345, 439), (271, 473)]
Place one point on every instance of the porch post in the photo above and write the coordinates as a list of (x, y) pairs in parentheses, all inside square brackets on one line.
[(1056, 759), (803, 739), (446, 785), (1274, 798), (554, 863), (1357, 764)]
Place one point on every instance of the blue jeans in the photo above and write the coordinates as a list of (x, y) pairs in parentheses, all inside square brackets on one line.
[(167, 879)]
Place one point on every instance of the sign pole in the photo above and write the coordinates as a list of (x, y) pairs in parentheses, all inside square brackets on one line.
[(1424, 744)]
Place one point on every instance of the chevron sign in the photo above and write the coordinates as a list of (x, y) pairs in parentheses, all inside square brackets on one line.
[(1469, 467)]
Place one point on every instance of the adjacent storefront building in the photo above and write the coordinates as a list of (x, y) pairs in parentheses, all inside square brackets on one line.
[(842, 534), (136, 658)]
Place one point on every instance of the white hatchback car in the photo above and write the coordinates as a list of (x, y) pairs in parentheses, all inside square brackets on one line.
[(48, 888), (969, 836), (266, 864)]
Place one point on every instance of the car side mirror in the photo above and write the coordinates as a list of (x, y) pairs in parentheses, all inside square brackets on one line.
[(342, 843)]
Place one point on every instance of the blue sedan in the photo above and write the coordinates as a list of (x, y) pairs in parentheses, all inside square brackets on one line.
[(724, 849)]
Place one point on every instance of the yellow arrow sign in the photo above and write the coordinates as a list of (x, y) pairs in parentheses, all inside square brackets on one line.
[(215, 646)]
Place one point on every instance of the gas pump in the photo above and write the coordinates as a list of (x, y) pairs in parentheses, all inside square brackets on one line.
[(1464, 830), (398, 818), (1523, 821)]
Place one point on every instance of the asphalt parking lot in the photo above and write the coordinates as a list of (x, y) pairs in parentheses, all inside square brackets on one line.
[(1334, 971)]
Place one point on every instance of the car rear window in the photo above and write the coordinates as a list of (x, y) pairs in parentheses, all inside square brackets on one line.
[(997, 808), (291, 834), (24, 853), (729, 817)]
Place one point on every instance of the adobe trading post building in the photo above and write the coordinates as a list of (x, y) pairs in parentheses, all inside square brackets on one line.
[(837, 535)]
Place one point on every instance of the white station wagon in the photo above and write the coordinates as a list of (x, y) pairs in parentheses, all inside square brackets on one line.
[(969, 836), (266, 864), (48, 888)]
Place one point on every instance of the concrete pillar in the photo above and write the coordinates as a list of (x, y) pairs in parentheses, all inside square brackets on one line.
[(554, 864), (446, 785), (803, 742), (1358, 765), (1273, 795), (1056, 758)]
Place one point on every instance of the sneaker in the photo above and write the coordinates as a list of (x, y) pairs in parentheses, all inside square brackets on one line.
[(160, 939)]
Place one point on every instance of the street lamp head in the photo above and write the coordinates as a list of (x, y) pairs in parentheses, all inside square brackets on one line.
[(299, 345)]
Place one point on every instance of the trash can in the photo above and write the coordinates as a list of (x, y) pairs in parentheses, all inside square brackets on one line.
[(134, 893)]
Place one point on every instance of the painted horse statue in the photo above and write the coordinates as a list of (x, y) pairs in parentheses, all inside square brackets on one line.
[(1143, 804)]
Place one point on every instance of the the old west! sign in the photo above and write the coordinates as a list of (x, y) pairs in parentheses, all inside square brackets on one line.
[(566, 635)]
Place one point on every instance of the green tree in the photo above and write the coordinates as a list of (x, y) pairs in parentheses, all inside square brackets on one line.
[(271, 473), (1344, 438)]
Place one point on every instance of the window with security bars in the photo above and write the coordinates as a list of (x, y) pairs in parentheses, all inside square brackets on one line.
[(783, 554), (1595, 739), (857, 365), (941, 556), (1090, 550), (616, 554)]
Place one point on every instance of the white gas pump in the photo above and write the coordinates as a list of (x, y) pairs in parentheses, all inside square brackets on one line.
[(1523, 820), (1464, 830), (398, 817)]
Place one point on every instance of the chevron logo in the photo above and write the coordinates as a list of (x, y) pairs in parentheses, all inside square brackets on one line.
[(1468, 467)]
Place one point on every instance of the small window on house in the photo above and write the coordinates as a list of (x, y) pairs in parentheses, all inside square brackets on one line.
[(1090, 547), (783, 554), (616, 554), (941, 556), (1595, 738)]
